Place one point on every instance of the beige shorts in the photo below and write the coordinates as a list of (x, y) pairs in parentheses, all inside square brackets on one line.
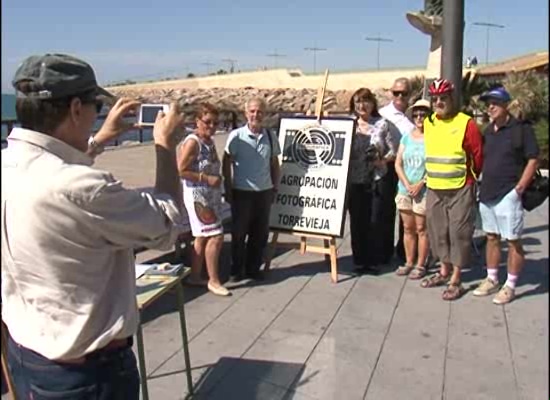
[(404, 202)]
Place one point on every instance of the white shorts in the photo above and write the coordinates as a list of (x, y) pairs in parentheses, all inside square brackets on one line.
[(504, 218)]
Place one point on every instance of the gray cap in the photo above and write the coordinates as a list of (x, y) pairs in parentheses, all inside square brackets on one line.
[(57, 76)]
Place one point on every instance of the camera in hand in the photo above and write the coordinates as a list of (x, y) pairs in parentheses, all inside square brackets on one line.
[(148, 113)]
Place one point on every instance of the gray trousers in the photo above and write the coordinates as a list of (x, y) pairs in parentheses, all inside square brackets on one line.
[(450, 218)]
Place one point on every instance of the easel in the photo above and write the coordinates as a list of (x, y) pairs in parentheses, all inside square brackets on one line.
[(329, 242)]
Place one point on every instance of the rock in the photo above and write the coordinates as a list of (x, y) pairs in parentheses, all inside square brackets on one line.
[(231, 101)]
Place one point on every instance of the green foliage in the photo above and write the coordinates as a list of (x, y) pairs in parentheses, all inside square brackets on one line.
[(529, 92), (541, 133), (417, 86), (472, 88)]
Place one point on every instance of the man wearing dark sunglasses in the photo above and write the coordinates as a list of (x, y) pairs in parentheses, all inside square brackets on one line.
[(400, 125), (68, 233)]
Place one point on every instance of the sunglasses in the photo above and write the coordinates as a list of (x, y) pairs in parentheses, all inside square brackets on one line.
[(98, 104), (421, 115), (442, 98), (85, 100), (402, 93), (495, 103)]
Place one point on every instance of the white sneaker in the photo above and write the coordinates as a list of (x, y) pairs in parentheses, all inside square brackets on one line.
[(505, 295), (486, 287)]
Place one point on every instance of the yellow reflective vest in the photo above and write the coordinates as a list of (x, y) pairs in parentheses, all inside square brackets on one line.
[(445, 157)]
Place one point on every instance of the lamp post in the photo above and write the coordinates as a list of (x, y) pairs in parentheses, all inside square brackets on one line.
[(488, 25), (276, 56), (314, 50), (379, 40), (207, 65), (452, 45), (231, 63)]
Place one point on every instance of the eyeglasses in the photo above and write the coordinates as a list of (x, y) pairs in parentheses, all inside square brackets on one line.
[(98, 105), (364, 102), (420, 115), (495, 103), (87, 100), (402, 93), (443, 98), (209, 123)]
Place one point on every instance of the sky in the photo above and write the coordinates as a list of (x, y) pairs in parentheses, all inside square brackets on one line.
[(135, 40)]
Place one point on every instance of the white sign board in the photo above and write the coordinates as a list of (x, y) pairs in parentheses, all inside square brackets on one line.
[(314, 171)]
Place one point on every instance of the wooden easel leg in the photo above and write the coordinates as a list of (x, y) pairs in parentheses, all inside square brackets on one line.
[(303, 245), (333, 263), (326, 244), (271, 251)]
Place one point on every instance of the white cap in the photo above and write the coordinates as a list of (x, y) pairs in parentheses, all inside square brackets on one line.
[(421, 103)]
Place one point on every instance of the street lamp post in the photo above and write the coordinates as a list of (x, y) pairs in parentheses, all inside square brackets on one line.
[(207, 65), (314, 50), (275, 56), (231, 63), (377, 39), (488, 25), (452, 45)]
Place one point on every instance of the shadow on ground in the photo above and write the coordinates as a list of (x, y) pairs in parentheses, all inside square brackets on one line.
[(167, 304), (241, 378), (535, 271)]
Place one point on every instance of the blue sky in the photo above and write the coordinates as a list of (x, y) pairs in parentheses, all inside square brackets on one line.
[(134, 40)]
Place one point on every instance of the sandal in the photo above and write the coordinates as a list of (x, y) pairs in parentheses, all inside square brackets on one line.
[(453, 292), (435, 280), (418, 272), (404, 270)]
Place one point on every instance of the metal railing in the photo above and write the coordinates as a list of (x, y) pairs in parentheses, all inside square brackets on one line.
[(10, 123)]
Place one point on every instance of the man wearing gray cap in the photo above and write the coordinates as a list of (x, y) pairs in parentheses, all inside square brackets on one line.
[(68, 230)]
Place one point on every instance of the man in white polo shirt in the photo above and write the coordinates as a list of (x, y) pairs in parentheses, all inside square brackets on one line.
[(251, 175), (400, 125), (68, 233)]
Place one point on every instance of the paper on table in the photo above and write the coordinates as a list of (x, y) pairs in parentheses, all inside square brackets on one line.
[(141, 268)]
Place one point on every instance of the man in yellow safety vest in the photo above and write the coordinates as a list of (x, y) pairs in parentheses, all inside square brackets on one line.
[(454, 156)]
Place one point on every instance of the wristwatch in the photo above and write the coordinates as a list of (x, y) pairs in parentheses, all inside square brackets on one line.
[(94, 148)]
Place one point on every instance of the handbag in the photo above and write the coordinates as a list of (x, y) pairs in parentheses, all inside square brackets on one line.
[(537, 192)]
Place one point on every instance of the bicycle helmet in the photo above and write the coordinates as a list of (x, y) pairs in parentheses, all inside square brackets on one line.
[(441, 86)]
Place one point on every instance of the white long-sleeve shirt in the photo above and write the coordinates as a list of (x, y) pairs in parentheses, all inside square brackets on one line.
[(68, 230), (398, 119)]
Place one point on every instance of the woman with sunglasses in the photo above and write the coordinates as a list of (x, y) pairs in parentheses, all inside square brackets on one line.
[(411, 194), (199, 169)]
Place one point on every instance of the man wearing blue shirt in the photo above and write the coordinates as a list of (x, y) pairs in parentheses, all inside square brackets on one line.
[(251, 175)]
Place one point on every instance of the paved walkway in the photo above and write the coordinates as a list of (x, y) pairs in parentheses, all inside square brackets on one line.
[(298, 336)]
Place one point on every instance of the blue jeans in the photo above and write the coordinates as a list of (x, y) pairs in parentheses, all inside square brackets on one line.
[(105, 375)]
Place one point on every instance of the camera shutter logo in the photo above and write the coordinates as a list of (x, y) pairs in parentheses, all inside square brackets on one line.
[(313, 146)]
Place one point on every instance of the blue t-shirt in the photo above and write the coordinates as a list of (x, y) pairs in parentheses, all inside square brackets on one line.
[(251, 155), (414, 161)]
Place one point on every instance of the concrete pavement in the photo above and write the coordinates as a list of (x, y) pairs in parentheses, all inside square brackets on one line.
[(298, 336)]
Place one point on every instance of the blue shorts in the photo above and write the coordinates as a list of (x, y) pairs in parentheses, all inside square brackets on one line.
[(504, 218)]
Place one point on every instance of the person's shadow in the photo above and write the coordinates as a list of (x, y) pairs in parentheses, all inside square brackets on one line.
[(535, 271)]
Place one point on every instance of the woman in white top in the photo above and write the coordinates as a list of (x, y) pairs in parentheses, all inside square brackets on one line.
[(199, 169)]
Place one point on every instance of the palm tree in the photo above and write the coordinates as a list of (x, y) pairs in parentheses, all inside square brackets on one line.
[(529, 92)]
